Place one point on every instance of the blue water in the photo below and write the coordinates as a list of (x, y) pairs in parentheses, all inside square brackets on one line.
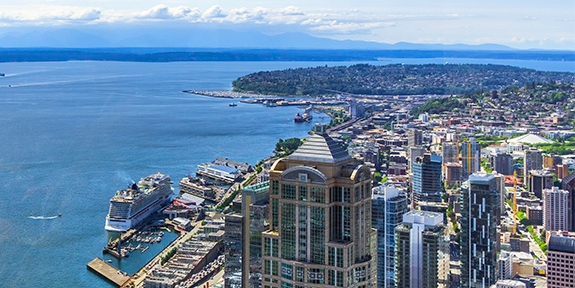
[(72, 133)]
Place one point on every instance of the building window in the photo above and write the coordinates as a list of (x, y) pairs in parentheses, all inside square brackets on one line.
[(317, 195), (288, 191), (302, 191), (302, 177), (275, 187), (287, 271), (316, 276)]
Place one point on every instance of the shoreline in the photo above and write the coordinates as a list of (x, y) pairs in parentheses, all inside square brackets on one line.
[(230, 94)]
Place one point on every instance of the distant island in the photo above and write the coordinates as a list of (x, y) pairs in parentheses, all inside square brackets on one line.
[(214, 54), (393, 79)]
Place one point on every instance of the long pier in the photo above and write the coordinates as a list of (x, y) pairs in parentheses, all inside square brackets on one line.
[(108, 271)]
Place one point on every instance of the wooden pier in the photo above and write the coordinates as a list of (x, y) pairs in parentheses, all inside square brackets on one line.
[(108, 271)]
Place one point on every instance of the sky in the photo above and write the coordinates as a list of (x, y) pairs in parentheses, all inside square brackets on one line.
[(518, 24)]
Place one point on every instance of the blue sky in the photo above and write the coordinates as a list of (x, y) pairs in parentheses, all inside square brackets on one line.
[(518, 24)]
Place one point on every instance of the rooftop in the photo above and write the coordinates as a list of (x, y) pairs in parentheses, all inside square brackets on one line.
[(561, 244), (321, 148)]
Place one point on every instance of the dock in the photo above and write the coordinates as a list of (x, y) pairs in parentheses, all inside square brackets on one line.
[(108, 271)]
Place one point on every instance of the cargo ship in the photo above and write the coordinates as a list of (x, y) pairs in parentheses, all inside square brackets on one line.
[(131, 206)]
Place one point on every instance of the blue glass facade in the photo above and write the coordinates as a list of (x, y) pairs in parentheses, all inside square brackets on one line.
[(388, 207)]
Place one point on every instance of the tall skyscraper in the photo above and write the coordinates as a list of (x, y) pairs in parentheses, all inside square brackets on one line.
[(320, 233), (532, 160), (470, 157), (555, 209), (568, 183), (560, 262), (479, 239), (243, 238), (388, 206), (426, 180), (422, 250), (235, 252)]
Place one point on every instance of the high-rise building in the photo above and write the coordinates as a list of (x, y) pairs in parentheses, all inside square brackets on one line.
[(555, 209), (426, 180), (479, 239), (568, 183), (560, 262), (320, 231), (235, 252), (414, 137), (449, 153), (388, 206), (422, 250), (470, 157), (539, 180), (532, 160), (243, 238), (502, 163)]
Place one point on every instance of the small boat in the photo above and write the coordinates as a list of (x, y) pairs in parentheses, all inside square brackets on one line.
[(233, 104), (59, 214)]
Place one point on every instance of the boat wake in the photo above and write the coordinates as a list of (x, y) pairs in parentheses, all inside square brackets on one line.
[(43, 217)]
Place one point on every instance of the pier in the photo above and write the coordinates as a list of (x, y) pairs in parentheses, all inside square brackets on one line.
[(108, 271)]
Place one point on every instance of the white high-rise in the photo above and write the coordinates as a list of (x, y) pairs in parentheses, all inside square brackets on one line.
[(555, 209)]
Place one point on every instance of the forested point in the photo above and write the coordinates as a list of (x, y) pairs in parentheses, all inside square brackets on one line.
[(396, 79)]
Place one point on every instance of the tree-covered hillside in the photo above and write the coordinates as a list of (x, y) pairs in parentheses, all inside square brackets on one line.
[(393, 79)]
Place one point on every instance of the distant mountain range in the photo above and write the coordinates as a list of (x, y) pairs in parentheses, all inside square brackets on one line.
[(102, 37)]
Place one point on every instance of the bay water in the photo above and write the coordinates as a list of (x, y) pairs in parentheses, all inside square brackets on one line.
[(73, 133)]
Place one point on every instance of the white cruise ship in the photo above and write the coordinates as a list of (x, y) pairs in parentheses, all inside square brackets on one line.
[(130, 206)]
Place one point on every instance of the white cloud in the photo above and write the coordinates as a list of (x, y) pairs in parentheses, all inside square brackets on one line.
[(392, 23), (213, 12), (164, 12)]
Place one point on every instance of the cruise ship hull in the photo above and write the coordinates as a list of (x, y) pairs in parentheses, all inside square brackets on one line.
[(121, 225), (131, 206)]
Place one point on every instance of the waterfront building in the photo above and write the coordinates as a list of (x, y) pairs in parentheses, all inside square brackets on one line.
[(470, 157), (502, 163), (479, 239), (560, 262), (320, 231), (426, 180), (532, 160), (422, 250), (555, 209), (539, 180), (388, 206), (219, 172)]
